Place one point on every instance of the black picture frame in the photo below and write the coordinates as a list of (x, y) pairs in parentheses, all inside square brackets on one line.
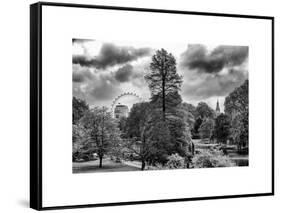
[(36, 104)]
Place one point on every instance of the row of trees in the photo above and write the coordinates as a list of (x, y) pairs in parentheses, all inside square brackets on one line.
[(231, 125), (206, 124), (237, 109)]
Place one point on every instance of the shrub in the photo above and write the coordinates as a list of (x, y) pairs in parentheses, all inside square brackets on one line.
[(175, 161), (210, 159)]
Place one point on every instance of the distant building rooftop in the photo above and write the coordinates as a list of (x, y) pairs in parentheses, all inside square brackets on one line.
[(121, 110)]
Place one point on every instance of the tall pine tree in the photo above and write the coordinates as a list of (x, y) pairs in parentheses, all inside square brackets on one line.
[(164, 81)]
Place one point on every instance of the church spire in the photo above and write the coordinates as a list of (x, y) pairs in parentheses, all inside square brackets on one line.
[(218, 108)]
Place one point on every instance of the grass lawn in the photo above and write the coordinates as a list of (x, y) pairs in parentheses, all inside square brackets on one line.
[(107, 166)]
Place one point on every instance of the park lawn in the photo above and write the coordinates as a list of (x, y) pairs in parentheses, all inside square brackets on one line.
[(107, 166)]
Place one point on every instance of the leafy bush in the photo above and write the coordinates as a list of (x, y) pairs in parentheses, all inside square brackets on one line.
[(78, 132), (175, 162), (210, 159)]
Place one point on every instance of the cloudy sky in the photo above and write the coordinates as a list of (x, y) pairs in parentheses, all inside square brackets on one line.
[(104, 70)]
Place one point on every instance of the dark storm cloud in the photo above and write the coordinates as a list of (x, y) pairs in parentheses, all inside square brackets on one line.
[(206, 86), (83, 60), (92, 86), (111, 55), (80, 41), (213, 73), (124, 73), (196, 57), (101, 88)]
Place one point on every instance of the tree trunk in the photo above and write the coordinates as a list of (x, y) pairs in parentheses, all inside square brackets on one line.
[(163, 99), (142, 165), (100, 165), (143, 149)]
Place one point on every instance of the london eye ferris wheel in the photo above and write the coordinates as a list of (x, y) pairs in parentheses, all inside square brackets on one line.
[(126, 99)]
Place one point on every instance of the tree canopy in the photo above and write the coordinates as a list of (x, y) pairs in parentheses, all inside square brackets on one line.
[(102, 130), (79, 107), (206, 128), (137, 125), (203, 110), (237, 108), (163, 80), (222, 128)]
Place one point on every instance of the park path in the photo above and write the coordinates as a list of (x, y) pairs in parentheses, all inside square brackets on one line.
[(136, 164)]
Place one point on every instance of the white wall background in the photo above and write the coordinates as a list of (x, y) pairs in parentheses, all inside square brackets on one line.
[(14, 107)]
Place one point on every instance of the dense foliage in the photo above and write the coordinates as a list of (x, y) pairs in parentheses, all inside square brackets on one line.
[(210, 159), (222, 128), (101, 130), (203, 111), (206, 128), (79, 107), (175, 161), (136, 132), (164, 82), (237, 108)]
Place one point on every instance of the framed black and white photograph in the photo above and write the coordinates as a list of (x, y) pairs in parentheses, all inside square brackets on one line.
[(135, 106)]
